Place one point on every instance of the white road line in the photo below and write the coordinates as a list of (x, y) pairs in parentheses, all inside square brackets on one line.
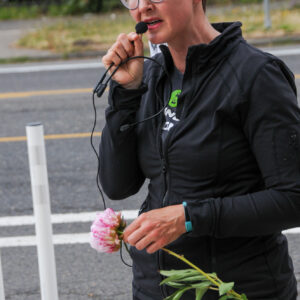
[(80, 218), (67, 239), (62, 239), (53, 67), (98, 65), (61, 218), (58, 239)]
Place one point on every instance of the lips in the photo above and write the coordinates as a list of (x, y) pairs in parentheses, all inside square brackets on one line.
[(153, 23)]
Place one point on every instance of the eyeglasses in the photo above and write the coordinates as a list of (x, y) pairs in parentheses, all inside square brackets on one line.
[(134, 4)]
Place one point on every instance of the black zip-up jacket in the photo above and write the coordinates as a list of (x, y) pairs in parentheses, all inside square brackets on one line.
[(234, 157)]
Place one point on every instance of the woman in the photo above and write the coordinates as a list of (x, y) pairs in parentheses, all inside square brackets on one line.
[(227, 146)]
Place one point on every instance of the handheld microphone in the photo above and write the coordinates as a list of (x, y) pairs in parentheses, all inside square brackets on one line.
[(140, 28)]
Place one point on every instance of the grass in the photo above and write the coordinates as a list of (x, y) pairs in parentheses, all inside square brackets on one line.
[(284, 22), (71, 35), (24, 11), (98, 32), (21, 12), (21, 59)]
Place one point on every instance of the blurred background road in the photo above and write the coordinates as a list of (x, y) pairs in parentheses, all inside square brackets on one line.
[(58, 94)]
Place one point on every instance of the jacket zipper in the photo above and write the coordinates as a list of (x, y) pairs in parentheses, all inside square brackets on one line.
[(213, 255), (213, 251), (164, 171), (163, 155)]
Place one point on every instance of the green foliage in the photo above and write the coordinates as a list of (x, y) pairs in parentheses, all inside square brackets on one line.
[(200, 292), (73, 7), (184, 276), (225, 2), (19, 12), (177, 295), (76, 7), (68, 7), (225, 297), (109, 5), (225, 288), (187, 279)]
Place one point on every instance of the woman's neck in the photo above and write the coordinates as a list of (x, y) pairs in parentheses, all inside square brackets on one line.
[(180, 47)]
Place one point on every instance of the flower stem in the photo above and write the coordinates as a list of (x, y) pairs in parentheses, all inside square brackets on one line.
[(192, 265), (212, 280)]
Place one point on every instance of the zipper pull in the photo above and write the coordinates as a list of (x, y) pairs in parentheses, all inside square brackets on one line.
[(164, 165)]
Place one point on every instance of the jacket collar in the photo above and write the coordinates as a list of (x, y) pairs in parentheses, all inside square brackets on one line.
[(206, 54)]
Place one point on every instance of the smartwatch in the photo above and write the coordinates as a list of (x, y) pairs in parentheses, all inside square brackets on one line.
[(188, 223)]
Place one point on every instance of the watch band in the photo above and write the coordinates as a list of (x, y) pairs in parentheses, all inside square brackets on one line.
[(188, 223)]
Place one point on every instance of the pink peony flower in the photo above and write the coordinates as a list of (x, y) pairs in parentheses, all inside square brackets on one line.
[(106, 231)]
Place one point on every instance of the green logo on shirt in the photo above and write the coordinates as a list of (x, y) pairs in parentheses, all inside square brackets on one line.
[(174, 98)]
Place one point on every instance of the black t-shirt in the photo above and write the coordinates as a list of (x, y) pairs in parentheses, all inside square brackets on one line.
[(170, 111)]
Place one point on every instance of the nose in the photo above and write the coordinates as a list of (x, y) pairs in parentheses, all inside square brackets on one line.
[(145, 5)]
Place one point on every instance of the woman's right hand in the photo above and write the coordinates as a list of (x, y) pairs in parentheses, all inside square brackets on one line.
[(130, 74)]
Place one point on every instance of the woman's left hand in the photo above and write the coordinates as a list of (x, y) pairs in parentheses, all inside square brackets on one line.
[(156, 228)]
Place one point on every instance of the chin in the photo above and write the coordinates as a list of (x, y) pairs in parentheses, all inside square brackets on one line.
[(156, 40)]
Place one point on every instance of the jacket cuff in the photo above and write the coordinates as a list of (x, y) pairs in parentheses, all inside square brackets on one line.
[(201, 215), (122, 99)]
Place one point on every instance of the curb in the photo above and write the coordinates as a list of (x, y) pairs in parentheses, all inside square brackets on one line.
[(262, 42), (53, 57)]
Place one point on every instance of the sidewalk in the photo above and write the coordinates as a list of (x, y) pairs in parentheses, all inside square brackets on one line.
[(11, 31)]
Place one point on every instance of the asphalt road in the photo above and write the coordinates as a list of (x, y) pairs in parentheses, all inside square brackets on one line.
[(81, 272)]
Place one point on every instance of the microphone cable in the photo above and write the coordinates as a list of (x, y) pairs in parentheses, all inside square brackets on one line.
[(100, 89)]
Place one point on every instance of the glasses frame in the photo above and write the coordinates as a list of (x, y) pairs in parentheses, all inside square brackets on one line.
[(138, 2)]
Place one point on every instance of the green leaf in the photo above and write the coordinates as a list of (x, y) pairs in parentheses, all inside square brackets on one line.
[(186, 272), (244, 297), (225, 287), (201, 285), (223, 297), (172, 278), (178, 272), (176, 285), (180, 293), (183, 278), (214, 275), (198, 277), (171, 297), (177, 295), (200, 292)]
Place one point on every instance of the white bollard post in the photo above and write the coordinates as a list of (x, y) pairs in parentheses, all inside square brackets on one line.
[(42, 212), (268, 22), (2, 294)]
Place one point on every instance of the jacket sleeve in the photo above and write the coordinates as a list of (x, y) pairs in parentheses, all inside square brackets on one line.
[(120, 174), (272, 127)]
